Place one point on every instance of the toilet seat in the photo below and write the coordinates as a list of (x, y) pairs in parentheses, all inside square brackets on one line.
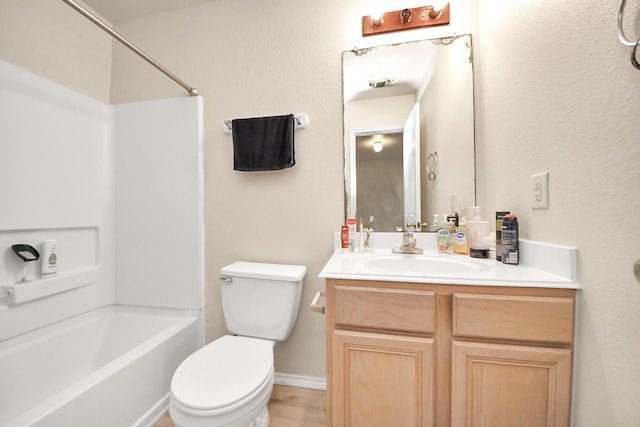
[(224, 375)]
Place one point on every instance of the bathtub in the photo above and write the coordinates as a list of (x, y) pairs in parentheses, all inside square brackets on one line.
[(109, 367)]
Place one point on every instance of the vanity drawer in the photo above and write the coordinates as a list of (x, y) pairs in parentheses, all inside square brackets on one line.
[(409, 310), (523, 318)]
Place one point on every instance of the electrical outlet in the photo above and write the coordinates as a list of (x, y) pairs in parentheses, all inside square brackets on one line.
[(540, 191)]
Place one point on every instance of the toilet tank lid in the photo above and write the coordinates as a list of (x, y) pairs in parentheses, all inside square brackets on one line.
[(260, 270)]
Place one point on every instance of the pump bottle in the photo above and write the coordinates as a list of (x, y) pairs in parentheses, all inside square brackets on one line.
[(477, 230)]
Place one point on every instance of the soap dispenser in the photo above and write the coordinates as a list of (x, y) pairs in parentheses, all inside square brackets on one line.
[(477, 230), (435, 225)]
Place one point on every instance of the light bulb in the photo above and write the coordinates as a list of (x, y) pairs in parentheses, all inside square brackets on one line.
[(377, 146)]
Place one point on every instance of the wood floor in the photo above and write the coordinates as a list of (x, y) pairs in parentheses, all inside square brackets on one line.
[(288, 407)]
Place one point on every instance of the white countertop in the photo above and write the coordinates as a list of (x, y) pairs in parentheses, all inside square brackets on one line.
[(541, 265)]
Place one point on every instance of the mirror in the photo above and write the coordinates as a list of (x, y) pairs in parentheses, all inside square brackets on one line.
[(413, 102)]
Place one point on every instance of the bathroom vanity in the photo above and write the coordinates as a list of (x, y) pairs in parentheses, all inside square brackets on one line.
[(473, 343)]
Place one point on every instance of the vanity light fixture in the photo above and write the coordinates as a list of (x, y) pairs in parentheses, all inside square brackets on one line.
[(405, 19), (377, 146)]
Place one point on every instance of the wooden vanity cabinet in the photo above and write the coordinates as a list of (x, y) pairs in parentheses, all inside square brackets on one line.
[(413, 354)]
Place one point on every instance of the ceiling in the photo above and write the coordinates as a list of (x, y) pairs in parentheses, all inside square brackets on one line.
[(405, 64), (122, 10), (391, 147)]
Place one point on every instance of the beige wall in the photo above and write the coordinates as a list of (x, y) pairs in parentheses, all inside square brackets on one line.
[(554, 92), (270, 64), (447, 128), (52, 40)]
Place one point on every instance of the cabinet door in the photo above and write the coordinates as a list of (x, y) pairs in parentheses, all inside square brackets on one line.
[(382, 380), (497, 385)]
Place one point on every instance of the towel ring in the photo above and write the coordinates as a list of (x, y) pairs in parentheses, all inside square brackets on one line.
[(623, 39), (432, 166), (634, 57)]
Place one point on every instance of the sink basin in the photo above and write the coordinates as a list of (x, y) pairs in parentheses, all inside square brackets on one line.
[(444, 265)]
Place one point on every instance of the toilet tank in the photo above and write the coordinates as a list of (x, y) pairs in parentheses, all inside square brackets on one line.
[(261, 300)]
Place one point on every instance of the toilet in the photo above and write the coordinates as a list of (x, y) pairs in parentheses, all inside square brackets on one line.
[(228, 382)]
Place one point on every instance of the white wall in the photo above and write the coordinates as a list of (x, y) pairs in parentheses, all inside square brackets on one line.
[(160, 225), (57, 163), (67, 191), (97, 179)]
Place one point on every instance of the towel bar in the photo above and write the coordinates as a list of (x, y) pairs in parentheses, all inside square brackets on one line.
[(301, 122)]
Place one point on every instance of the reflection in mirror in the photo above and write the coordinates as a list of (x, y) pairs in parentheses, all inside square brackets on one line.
[(415, 98)]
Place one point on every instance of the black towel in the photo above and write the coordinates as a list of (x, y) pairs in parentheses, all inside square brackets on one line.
[(263, 143)]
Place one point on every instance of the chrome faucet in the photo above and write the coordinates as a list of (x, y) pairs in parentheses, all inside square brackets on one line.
[(408, 244)]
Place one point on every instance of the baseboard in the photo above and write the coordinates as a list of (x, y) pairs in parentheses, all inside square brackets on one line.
[(301, 381), (154, 414)]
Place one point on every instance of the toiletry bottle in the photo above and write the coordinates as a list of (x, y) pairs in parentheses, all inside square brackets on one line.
[(443, 221), (510, 245), (344, 238), (499, 216), (443, 238), (435, 225), (453, 218), (460, 243), (454, 211), (463, 217), (451, 228), (351, 224), (477, 230), (361, 242)]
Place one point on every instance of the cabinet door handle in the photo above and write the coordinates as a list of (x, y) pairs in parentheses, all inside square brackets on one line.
[(315, 306)]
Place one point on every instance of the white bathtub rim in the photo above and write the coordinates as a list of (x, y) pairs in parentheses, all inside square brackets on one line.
[(40, 332)]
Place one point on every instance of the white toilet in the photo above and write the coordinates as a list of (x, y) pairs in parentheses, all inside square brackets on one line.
[(228, 382)]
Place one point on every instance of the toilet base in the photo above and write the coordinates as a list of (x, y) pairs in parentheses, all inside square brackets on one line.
[(262, 420)]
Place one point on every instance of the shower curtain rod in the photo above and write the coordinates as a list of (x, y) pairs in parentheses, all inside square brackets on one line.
[(91, 17)]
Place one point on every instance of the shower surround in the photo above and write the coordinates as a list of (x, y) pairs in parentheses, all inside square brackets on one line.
[(120, 189)]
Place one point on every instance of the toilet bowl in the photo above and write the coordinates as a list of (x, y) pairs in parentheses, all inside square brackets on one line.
[(228, 382)]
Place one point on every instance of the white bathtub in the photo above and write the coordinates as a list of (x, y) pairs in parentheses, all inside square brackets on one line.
[(108, 367)]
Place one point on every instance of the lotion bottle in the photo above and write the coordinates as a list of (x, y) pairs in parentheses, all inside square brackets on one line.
[(477, 230)]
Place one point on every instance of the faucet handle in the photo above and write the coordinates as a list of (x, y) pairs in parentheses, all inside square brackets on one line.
[(417, 225)]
